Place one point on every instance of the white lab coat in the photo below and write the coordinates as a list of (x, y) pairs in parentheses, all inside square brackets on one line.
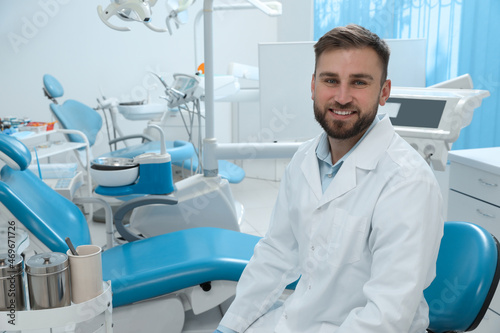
[(364, 250)]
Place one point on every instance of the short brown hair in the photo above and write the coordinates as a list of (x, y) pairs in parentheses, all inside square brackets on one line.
[(354, 36)]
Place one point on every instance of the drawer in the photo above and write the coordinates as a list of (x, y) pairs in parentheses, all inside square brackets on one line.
[(476, 183), (464, 208), (489, 324)]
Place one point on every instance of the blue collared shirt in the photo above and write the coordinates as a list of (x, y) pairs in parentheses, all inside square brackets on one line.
[(327, 171)]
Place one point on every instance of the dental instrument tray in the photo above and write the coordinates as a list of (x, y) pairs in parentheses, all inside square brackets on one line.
[(64, 178), (140, 111), (66, 186)]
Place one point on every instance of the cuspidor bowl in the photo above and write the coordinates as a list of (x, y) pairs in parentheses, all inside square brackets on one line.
[(114, 171)]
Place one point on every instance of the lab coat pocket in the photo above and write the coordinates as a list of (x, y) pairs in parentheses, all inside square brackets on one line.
[(347, 238)]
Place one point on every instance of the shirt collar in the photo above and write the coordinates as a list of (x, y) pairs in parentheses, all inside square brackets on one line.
[(323, 149)]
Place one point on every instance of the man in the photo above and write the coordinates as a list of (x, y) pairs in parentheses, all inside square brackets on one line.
[(358, 216)]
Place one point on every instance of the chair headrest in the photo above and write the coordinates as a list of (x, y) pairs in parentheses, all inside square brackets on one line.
[(14, 153), (52, 87)]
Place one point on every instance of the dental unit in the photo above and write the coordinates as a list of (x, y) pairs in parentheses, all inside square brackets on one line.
[(186, 275), (128, 179), (149, 173)]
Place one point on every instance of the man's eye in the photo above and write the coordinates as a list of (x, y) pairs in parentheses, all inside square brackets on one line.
[(359, 83), (331, 81)]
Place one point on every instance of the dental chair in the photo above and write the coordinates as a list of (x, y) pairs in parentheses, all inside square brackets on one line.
[(220, 210), (78, 116), (466, 278), (156, 282)]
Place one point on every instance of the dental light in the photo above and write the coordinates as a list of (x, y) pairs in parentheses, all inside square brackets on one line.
[(177, 12), (129, 10), (140, 11)]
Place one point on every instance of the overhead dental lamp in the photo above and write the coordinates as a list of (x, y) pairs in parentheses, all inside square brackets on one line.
[(177, 12), (128, 10), (140, 11)]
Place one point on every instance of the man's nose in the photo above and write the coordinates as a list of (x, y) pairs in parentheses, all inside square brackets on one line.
[(343, 95)]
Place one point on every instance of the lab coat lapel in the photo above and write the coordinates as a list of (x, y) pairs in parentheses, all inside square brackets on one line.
[(365, 156), (310, 170)]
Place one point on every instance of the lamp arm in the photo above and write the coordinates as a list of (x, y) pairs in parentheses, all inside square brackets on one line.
[(106, 15), (155, 29)]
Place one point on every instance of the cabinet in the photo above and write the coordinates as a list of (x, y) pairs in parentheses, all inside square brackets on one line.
[(474, 196)]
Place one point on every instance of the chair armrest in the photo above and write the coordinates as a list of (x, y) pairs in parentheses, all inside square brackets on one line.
[(144, 137), (134, 203)]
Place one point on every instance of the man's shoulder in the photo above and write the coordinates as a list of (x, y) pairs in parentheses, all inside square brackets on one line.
[(406, 159)]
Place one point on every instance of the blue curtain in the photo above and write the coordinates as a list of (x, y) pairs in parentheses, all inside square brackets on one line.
[(462, 37)]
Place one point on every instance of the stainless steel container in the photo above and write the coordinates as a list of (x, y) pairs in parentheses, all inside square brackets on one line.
[(48, 280), (12, 296)]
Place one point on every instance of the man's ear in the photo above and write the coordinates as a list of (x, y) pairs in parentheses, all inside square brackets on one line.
[(385, 92)]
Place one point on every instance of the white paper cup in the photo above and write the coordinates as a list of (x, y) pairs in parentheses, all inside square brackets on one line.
[(86, 273)]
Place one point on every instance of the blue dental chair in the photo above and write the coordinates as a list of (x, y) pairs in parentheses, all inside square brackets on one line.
[(466, 279), (78, 116)]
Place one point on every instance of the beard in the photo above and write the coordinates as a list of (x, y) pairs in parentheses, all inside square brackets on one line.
[(341, 130)]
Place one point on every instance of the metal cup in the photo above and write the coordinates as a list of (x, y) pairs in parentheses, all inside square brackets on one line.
[(11, 283), (48, 281)]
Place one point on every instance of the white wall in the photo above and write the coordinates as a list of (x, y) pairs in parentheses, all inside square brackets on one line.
[(297, 21), (296, 24), (68, 40)]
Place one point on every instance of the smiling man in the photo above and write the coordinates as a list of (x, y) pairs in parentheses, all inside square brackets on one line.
[(358, 219)]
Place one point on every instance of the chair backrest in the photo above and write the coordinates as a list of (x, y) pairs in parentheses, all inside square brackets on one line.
[(77, 116), (46, 214), (72, 114), (466, 278)]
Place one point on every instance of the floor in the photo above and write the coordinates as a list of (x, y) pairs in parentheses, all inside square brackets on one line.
[(257, 197)]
